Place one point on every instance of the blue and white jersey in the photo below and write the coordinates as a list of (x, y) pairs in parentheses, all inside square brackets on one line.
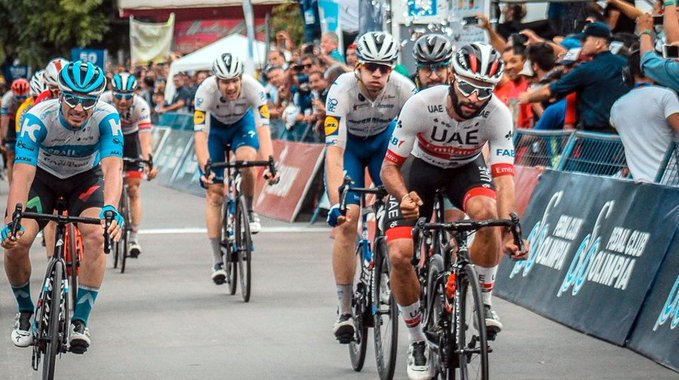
[(47, 141), (210, 103), (349, 110)]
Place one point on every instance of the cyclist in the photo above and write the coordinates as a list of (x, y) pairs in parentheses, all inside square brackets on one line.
[(230, 109), (51, 79), (360, 107), (11, 101), (432, 53), (38, 86), (69, 147), (445, 129), (135, 120)]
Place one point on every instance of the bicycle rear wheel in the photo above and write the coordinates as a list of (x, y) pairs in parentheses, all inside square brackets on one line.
[(53, 319), (228, 248), (360, 305), (472, 355), (385, 314), (243, 249)]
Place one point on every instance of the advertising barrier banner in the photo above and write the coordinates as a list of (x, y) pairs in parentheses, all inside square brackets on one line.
[(297, 165), (656, 333), (171, 153), (525, 179), (596, 244)]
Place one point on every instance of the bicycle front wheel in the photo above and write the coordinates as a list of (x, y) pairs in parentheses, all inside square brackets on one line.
[(55, 325), (472, 354), (385, 314), (360, 304), (227, 242), (124, 241), (243, 248), (72, 258)]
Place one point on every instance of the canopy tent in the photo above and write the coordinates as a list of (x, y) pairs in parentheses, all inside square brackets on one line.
[(202, 58)]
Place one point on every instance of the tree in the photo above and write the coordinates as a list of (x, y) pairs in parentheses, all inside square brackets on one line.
[(37, 30), (287, 17)]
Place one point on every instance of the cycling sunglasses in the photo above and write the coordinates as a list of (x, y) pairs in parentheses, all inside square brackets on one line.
[(427, 70), (73, 100), (123, 95), (372, 67), (21, 97), (467, 89)]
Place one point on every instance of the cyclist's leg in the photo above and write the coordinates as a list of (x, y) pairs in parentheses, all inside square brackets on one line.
[(474, 192), (133, 176), (344, 249), (245, 145), (217, 140)]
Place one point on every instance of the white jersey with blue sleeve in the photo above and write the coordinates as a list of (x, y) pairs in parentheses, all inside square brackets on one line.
[(47, 141), (349, 110), (209, 102)]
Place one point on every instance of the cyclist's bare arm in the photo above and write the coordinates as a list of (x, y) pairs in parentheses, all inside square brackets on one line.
[(334, 172)]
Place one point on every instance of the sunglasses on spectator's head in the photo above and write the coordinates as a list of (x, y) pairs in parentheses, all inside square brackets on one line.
[(467, 89), (20, 97), (73, 100), (123, 95), (372, 67)]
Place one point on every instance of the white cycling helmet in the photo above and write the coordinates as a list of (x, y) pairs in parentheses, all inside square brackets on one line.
[(52, 71), (38, 84), (377, 47), (227, 66), (479, 61)]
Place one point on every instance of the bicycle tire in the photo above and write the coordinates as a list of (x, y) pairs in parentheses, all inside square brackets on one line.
[(244, 253), (385, 314), (360, 305), (230, 264), (72, 255), (125, 212), (437, 328), (54, 342), (472, 358), (116, 253)]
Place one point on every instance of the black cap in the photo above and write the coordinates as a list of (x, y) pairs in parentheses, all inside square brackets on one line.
[(597, 29)]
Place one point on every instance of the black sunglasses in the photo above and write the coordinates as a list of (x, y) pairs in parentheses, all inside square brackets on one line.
[(372, 67), (467, 89)]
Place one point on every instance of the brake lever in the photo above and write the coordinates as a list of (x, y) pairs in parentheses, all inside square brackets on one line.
[(108, 219), (16, 220), (516, 231)]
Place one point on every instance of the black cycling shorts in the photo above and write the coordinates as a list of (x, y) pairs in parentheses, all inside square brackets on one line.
[(81, 191), (132, 149), (459, 184)]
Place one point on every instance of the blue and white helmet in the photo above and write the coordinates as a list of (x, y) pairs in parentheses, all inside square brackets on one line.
[(38, 84), (227, 66), (377, 47), (125, 82), (82, 78)]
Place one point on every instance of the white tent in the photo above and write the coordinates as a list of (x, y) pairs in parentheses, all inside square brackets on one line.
[(202, 58)]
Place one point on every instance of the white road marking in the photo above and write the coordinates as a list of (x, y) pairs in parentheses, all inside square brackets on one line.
[(194, 230)]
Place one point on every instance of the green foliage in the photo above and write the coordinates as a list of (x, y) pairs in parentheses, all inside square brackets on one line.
[(287, 17), (38, 30)]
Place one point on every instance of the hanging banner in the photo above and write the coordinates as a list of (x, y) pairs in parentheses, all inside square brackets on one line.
[(150, 42)]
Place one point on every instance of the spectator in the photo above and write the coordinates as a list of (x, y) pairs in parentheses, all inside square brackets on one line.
[(512, 85), (277, 58), (647, 119), (333, 72), (276, 77), (617, 20), (181, 99), (319, 95), (598, 82), (329, 46), (285, 44), (310, 63), (662, 70), (352, 59)]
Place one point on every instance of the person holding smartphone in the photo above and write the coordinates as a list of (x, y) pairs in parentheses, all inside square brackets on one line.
[(662, 69)]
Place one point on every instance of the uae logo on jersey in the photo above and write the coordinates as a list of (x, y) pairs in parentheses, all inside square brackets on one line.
[(331, 125)]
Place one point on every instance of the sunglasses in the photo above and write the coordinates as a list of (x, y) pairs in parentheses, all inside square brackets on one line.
[(307, 65), (122, 95), (73, 100), (467, 89), (372, 67), (20, 97), (427, 70)]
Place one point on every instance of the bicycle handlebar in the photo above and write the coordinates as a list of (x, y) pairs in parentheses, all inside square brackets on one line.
[(346, 187), (148, 162), (513, 224), (270, 163), (61, 219)]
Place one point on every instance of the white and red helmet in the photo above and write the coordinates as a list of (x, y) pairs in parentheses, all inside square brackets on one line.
[(479, 61), (52, 71)]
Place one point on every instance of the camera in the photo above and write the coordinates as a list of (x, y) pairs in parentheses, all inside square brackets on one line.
[(471, 20), (579, 25), (657, 20), (670, 51)]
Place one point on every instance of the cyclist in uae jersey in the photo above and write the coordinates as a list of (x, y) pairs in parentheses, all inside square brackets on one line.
[(135, 121), (445, 128), (69, 147), (359, 109), (230, 110), (11, 101)]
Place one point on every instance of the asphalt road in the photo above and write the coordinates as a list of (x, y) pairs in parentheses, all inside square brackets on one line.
[(165, 319)]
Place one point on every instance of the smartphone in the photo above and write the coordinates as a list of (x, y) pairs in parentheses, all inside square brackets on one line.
[(579, 25), (657, 19), (670, 51), (471, 20)]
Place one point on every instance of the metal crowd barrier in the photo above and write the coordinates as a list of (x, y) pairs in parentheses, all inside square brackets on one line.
[(669, 169), (540, 148)]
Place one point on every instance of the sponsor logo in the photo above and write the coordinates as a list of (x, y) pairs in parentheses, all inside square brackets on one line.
[(504, 152), (30, 129), (264, 111), (199, 102), (332, 104), (199, 117), (435, 108), (508, 136), (468, 138), (331, 125), (670, 309)]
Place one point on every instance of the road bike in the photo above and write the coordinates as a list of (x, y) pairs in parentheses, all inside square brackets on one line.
[(236, 240), (121, 251), (456, 327), (56, 301), (373, 304)]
